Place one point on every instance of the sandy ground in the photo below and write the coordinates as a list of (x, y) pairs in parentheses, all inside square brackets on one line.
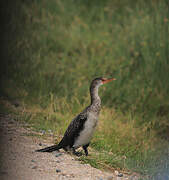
[(19, 161)]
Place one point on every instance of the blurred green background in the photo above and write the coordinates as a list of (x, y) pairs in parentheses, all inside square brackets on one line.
[(53, 49)]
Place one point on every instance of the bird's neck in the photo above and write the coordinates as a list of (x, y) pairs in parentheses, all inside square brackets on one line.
[(95, 99)]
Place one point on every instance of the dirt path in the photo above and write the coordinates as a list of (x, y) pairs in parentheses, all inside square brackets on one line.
[(19, 161)]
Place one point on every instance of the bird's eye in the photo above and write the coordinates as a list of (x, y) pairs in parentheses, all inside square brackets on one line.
[(103, 79)]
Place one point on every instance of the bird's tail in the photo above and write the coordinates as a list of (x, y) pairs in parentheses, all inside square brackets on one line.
[(49, 149)]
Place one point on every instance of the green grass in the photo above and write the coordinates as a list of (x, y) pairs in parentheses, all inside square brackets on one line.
[(52, 51)]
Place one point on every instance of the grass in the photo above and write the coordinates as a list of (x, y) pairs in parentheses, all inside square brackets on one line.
[(120, 146), (60, 46)]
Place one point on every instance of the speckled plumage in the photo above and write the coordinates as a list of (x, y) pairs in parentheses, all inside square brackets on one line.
[(81, 128)]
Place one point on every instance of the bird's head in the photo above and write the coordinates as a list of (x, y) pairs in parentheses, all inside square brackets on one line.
[(100, 81)]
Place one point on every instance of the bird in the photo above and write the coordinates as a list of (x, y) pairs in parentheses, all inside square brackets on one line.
[(82, 127)]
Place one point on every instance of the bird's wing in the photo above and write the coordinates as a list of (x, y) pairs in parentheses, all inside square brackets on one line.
[(73, 130)]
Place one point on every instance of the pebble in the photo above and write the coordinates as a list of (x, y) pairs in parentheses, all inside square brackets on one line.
[(58, 154), (116, 172), (34, 167), (58, 170), (42, 131), (40, 144), (110, 178), (120, 175), (133, 177), (50, 131), (99, 178)]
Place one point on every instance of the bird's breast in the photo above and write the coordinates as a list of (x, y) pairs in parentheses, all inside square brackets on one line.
[(87, 132)]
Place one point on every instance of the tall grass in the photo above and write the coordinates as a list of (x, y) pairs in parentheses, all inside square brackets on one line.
[(55, 48)]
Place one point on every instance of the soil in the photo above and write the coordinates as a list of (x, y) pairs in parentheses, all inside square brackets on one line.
[(19, 161)]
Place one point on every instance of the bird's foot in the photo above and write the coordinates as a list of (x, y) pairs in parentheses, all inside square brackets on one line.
[(85, 149), (78, 153)]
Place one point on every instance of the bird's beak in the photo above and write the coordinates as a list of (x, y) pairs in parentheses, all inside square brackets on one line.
[(108, 80)]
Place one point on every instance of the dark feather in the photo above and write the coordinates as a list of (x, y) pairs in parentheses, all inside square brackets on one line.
[(70, 135), (73, 130), (49, 149)]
